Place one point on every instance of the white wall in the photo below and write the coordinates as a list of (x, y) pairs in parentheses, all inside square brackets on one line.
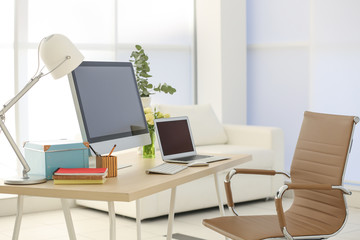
[(303, 55)]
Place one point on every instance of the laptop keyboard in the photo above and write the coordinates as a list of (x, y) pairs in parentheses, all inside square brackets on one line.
[(191, 158), (167, 168)]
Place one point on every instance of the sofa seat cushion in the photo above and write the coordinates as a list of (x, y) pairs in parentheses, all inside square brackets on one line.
[(261, 158)]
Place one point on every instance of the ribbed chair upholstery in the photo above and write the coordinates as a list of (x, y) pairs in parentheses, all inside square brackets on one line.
[(319, 207)]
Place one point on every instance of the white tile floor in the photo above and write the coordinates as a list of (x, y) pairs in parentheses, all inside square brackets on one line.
[(90, 224)]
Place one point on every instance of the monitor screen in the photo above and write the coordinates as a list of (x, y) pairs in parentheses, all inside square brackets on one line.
[(108, 105)]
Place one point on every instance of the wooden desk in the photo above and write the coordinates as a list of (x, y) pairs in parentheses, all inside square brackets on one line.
[(131, 184)]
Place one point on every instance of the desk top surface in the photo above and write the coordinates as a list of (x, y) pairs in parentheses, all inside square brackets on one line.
[(131, 183)]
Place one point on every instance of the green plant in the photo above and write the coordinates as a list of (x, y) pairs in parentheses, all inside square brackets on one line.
[(142, 69)]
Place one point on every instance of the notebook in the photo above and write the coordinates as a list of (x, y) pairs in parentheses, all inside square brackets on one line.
[(176, 142)]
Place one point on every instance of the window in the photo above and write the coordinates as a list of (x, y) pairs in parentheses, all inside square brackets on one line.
[(103, 30), (8, 157)]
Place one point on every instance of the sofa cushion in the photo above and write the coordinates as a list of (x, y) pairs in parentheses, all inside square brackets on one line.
[(205, 126)]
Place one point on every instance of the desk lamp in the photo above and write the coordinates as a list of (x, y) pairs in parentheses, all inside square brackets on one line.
[(60, 57)]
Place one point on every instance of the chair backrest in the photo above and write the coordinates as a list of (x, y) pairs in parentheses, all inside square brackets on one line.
[(320, 157)]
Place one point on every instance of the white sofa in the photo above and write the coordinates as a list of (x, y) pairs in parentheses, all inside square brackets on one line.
[(265, 144)]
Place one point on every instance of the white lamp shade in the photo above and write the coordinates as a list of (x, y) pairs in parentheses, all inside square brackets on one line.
[(54, 50)]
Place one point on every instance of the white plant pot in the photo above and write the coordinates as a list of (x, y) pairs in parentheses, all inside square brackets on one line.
[(146, 101)]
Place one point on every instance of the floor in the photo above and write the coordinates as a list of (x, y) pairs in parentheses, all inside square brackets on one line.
[(91, 224)]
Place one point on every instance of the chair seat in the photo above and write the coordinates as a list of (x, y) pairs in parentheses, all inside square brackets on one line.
[(267, 226), (247, 227)]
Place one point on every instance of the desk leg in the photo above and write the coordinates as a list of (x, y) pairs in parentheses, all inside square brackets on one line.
[(171, 214), (112, 220), (220, 202), (138, 219), (68, 219), (20, 204)]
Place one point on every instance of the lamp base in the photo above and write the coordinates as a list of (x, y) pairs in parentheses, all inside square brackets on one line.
[(32, 179)]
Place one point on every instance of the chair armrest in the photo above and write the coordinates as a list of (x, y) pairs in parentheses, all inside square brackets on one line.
[(271, 138), (235, 171), (317, 187), (259, 172), (283, 189)]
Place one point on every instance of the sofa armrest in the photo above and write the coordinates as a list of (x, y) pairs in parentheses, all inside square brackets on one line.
[(258, 136)]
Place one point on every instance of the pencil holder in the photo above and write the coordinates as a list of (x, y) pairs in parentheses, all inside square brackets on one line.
[(109, 162)]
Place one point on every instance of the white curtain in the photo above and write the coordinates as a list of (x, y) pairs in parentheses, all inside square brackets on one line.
[(303, 55), (335, 61)]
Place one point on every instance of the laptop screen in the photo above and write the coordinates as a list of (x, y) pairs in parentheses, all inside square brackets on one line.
[(174, 137)]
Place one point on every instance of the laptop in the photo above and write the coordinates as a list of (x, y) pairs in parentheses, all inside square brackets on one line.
[(176, 142)]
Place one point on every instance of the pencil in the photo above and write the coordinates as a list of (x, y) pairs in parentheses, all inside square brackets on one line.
[(94, 151), (112, 150)]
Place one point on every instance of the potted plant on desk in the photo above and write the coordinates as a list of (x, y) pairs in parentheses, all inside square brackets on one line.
[(150, 115), (142, 69)]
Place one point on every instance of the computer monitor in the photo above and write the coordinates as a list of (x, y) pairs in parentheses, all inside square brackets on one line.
[(108, 106)]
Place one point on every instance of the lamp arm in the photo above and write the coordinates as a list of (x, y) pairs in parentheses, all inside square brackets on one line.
[(7, 106), (16, 149), (14, 100), (27, 87)]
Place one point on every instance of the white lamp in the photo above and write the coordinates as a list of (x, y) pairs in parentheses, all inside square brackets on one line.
[(60, 57)]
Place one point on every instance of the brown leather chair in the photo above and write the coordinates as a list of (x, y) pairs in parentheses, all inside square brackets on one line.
[(319, 208)]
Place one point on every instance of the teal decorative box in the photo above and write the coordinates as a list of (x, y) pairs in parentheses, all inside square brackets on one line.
[(45, 157)]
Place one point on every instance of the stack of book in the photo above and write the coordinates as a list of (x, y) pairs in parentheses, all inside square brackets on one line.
[(80, 175)]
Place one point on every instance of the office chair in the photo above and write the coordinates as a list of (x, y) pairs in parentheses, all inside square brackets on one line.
[(319, 208)]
